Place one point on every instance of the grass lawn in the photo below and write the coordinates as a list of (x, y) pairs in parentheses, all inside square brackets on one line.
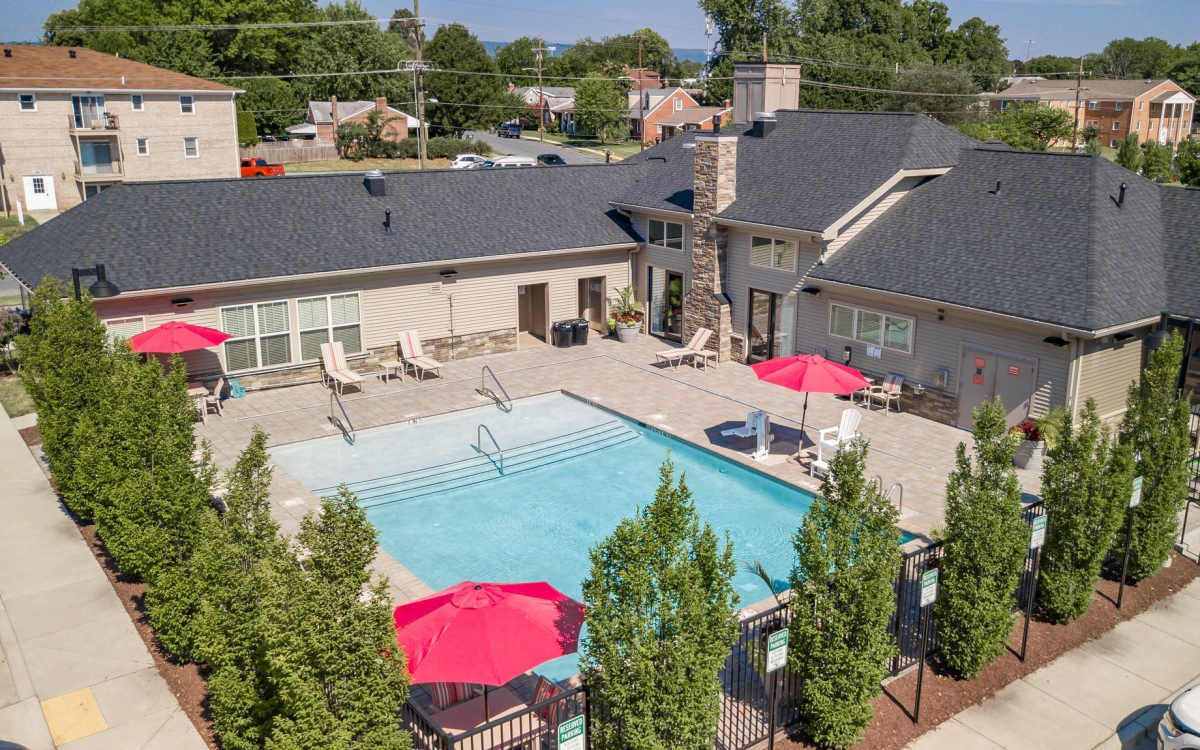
[(619, 150), (11, 229), (13, 396), (362, 165)]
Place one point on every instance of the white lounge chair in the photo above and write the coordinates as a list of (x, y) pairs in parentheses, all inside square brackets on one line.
[(335, 369), (888, 392), (748, 430), (832, 438), (694, 349), (414, 356)]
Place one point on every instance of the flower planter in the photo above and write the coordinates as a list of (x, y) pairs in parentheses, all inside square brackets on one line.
[(627, 332), (1029, 454)]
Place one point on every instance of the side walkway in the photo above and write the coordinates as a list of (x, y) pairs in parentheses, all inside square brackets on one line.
[(74, 673), (1109, 693)]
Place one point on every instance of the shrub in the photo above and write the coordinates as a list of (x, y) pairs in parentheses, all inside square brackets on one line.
[(247, 131), (847, 557), (984, 549), (1085, 486), (1129, 154), (445, 147), (1155, 428), (661, 618), (1027, 429)]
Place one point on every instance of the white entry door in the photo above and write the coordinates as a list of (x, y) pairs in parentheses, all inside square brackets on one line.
[(39, 192)]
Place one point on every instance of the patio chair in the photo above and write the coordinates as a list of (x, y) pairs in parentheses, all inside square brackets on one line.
[(544, 691), (748, 430), (888, 393), (693, 350), (335, 369), (832, 438), (213, 399), (412, 355)]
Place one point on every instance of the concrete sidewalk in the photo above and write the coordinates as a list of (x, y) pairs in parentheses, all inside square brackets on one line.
[(1108, 693), (74, 673)]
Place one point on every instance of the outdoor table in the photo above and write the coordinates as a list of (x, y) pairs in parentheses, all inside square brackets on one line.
[(390, 367), (501, 702)]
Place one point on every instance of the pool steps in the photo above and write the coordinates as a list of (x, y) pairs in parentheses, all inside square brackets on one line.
[(474, 470)]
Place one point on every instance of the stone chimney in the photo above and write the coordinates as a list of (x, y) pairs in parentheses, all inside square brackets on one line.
[(381, 104), (333, 114), (714, 187)]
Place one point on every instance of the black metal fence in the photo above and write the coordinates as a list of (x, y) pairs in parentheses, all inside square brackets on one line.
[(528, 727), (747, 687)]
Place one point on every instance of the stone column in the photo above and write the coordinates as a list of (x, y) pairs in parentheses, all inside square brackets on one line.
[(714, 188)]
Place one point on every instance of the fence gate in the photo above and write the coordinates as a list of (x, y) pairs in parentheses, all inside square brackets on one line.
[(746, 686)]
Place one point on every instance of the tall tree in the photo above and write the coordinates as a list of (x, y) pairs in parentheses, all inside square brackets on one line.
[(661, 618), (1129, 153), (602, 108), (1033, 126), (1156, 161), (353, 47), (470, 99), (740, 25), (951, 110), (983, 52), (1186, 72), (978, 577), (1139, 58), (847, 559), (515, 60)]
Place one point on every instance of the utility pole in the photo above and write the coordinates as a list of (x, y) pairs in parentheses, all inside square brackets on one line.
[(418, 84), (1077, 114), (764, 46), (540, 50), (641, 99)]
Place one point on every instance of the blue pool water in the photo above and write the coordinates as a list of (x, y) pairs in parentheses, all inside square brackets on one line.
[(572, 473)]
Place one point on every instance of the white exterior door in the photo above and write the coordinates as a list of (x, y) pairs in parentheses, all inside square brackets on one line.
[(39, 192)]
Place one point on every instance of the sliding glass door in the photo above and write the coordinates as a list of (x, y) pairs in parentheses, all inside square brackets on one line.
[(665, 295)]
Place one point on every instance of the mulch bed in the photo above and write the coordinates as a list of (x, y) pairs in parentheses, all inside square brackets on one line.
[(943, 696), (30, 435)]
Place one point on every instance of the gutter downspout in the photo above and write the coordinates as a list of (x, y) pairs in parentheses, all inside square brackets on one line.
[(1074, 376)]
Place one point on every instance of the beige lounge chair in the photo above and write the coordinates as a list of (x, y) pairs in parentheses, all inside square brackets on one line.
[(414, 356), (887, 393), (694, 349), (335, 369)]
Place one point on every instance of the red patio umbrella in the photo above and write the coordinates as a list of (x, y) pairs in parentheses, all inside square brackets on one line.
[(810, 373), (173, 337), (486, 633)]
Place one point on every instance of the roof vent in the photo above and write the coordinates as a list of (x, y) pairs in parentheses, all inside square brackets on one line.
[(71, 54), (997, 190), (1121, 196), (764, 123), (375, 183), (8, 51)]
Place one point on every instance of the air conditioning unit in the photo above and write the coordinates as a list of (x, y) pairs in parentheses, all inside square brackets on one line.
[(941, 378)]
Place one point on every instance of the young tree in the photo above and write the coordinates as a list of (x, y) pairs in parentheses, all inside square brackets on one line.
[(602, 108), (1129, 154), (247, 131), (1155, 427), (985, 547), (1033, 126), (661, 618), (847, 558), (1156, 161), (1187, 162), (1085, 487)]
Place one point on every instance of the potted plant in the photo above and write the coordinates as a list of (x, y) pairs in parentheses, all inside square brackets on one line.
[(1031, 447), (628, 315)]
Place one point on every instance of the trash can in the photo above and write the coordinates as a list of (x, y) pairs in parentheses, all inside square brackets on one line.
[(561, 333), (580, 328)]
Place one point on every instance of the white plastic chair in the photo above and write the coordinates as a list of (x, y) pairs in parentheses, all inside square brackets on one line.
[(831, 438), (750, 429)]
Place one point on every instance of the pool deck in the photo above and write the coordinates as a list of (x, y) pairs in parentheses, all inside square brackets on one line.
[(686, 403)]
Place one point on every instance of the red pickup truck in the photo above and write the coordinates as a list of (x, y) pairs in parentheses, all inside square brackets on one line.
[(260, 168)]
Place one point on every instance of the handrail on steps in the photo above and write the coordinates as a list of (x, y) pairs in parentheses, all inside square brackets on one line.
[(479, 444), (899, 495), (343, 423), (483, 390)]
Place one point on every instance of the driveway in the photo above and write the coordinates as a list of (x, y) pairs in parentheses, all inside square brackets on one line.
[(525, 147)]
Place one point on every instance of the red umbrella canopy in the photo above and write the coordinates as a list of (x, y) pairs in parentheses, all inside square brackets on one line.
[(173, 337), (486, 633), (810, 373)]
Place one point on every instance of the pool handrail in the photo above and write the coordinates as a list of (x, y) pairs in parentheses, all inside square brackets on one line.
[(899, 488), (346, 426), (504, 403), (479, 444)]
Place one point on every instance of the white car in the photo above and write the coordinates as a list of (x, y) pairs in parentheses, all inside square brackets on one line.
[(1179, 728), (466, 161)]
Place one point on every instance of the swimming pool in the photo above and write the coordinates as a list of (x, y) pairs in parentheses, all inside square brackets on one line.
[(572, 472)]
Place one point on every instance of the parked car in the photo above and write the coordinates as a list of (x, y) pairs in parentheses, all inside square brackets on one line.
[(260, 168), (466, 161), (485, 164), (1179, 728), (514, 161), (550, 160), (509, 130)]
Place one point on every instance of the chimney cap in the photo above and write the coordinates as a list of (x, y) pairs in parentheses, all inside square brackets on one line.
[(764, 115)]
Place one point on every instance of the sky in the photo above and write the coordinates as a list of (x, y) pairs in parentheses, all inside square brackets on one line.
[(1061, 27)]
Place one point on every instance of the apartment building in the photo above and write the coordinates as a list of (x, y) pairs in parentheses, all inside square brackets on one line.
[(74, 121), (1154, 110)]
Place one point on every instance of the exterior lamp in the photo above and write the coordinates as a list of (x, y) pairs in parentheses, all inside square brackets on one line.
[(847, 353), (1055, 341), (813, 290), (100, 288), (1155, 340)]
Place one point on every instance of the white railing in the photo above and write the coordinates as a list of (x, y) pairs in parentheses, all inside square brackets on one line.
[(483, 389), (340, 418), (479, 445)]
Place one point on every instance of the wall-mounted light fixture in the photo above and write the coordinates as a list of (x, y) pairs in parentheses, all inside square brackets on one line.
[(100, 288), (448, 273), (1122, 337), (847, 353), (1155, 340), (712, 232), (813, 290), (941, 314), (181, 301), (1055, 341)]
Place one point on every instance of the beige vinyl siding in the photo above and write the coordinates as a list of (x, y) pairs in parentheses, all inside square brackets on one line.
[(744, 275), (679, 261), (863, 220), (936, 344), (484, 299), (1105, 372)]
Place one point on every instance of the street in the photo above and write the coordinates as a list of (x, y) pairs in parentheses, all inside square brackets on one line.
[(525, 147)]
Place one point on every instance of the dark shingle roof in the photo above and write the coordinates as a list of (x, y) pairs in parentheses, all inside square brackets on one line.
[(1052, 245), (1181, 247), (162, 234), (813, 168)]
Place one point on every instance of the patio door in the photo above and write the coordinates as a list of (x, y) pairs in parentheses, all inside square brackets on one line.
[(591, 303), (772, 325), (88, 110), (665, 295)]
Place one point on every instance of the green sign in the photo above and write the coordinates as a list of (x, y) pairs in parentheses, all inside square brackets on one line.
[(929, 584), (1037, 537), (572, 734), (777, 650), (1135, 497)]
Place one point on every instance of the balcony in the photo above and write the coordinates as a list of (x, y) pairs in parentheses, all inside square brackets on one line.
[(97, 123)]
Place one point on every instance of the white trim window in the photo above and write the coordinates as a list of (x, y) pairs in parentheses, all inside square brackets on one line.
[(336, 317), (772, 252), (27, 102), (1093, 105), (678, 104), (187, 105), (121, 329), (262, 335), (143, 146), (191, 147), (666, 234), (137, 103), (1117, 106), (893, 332), (1116, 125)]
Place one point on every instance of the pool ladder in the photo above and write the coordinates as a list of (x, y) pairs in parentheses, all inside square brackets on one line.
[(342, 422), (479, 445), (485, 390), (897, 488)]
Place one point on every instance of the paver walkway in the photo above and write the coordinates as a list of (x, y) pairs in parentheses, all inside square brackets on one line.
[(74, 673), (1108, 693)]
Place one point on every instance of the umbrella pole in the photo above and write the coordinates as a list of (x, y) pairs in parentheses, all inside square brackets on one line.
[(803, 418), (486, 715)]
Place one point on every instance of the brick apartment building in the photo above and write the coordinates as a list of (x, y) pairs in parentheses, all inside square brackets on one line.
[(1154, 110), (323, 117), (74, 121)]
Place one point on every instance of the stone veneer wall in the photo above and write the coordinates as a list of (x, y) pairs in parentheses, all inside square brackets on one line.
[(940, 406), (714, 188), (737, 347)]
